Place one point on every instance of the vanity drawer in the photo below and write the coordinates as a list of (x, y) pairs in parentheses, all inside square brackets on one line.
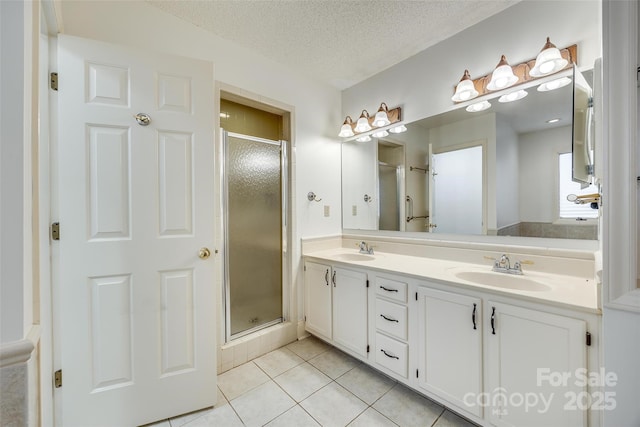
[(392, 354), (391, 289), (391, 318)]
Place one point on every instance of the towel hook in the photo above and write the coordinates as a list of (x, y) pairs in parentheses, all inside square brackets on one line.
[(311, 196)]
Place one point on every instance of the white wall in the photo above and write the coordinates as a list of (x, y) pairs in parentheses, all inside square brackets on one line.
[(359, 172), (507, 179), (423, 84), (11, 170), (538, 166)]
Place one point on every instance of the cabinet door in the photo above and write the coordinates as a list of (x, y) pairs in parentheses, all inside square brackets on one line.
[(533, 358), (450, 347), (317, 306), (350, 310)]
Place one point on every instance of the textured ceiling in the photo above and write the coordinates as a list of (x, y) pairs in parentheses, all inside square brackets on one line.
[(341, 42)]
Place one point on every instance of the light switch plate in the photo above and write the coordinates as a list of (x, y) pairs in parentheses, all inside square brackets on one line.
[(327, 210), (354, 210)]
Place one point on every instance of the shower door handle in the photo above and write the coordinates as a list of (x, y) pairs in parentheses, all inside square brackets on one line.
[(204, 253)]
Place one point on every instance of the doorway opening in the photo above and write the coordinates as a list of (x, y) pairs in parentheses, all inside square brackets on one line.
[(255, 171)]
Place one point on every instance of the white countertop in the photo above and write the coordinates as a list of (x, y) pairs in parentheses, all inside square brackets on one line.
[(564, 290)]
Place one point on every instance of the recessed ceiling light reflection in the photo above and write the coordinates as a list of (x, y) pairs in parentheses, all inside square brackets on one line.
[(554, 84), (513, 96), (478, 106)]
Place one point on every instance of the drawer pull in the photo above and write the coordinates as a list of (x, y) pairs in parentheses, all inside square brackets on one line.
[(388, 290), (389, 318), (389, 355), (473, 316), (493, 320)]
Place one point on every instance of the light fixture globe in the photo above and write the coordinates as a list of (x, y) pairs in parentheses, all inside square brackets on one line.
[(548, 61), (362, 124), (380, 134), (398, 129), (365, 138), (382, 117), (554, 84), (346, 130), (502, 77), (513, 96), (478, 106), (465, 90)]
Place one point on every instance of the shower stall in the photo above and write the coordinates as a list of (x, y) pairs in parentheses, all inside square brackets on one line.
[(255, 189)]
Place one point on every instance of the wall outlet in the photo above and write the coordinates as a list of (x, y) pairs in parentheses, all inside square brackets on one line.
[(327, 210), (354, 210)]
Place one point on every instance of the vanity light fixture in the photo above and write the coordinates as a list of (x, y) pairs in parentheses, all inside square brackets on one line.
[(478, 106), (502, 77), (398, 129), (513, 96), (554, 84), (548, 61), (365, 138), (382, 116), (383, 119), (363, 122), (347, 128), (465, 90), (380, 134)]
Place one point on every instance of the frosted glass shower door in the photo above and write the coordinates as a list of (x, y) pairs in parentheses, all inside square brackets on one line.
[(253, 225)]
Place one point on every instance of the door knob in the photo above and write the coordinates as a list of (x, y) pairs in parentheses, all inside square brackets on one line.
[(204, 253)]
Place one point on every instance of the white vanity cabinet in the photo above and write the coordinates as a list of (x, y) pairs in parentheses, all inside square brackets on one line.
[(449, 344), (336, 306), (317, 304), (535, 355), (350, 324), (499, 359)]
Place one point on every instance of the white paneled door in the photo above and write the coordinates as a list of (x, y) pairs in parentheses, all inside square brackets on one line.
[(134, 308)]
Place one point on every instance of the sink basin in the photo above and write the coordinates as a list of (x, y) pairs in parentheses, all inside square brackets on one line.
[(502, 280), (355, 257)]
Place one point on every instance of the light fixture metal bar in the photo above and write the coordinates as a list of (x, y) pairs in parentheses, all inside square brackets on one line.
[(521, 71)]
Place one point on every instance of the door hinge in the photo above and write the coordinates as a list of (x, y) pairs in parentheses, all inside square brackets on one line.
[(367, 349), (417, 374), (57, 378), (416, 296), (55, 231), (53, 81), (305, 268), (588, 339), (367, 283)]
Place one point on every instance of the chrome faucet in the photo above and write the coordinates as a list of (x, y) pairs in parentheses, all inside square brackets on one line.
[(503, 265), (365, 248)]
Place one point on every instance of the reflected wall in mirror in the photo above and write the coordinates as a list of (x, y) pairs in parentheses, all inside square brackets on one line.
[(495, 172)]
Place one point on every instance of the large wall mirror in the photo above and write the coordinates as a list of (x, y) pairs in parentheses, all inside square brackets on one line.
[(504, 171)]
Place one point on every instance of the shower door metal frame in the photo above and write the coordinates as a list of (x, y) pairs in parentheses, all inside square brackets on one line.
[(284, 177)]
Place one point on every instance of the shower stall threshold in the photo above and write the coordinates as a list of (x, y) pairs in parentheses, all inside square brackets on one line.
[(256, 329)]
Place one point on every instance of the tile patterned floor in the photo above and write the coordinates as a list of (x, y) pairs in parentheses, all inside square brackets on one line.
[(309, 383)]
